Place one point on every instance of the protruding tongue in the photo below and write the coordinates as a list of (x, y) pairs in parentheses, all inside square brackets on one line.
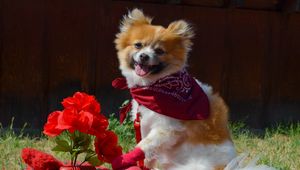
[(141, 70)]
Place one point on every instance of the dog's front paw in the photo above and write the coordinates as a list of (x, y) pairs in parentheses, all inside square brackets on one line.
[(128, 160)]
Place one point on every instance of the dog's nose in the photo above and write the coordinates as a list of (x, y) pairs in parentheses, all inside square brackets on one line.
[(144, 57)]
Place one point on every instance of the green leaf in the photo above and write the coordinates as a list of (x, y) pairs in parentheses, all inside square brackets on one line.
[(81, 140), (65, 135), (63, 143), (85, 141), (59, 148), (93, 159)]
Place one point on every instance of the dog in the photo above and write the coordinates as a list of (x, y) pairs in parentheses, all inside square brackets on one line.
[(153, 59)]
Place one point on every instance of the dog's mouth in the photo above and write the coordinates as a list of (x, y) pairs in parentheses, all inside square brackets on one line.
[(143, 70)]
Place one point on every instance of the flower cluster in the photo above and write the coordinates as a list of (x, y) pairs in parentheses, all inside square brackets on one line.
[(81, 112), (81, 116)]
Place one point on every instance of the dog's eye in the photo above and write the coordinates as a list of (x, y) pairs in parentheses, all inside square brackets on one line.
[(159, 51), (138, 45)]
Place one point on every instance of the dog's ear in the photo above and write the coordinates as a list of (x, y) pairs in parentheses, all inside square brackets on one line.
[(134, 17), (182, 29)]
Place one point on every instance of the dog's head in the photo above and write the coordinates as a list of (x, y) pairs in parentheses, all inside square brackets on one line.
[(148, 52)]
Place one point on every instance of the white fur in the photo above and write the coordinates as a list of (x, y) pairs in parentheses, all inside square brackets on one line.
[(204, 157), (208, 90), (153, 60), (160, 133)]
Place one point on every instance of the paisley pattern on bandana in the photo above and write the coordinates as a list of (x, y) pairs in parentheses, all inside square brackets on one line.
[(177, 85), (178, 96)]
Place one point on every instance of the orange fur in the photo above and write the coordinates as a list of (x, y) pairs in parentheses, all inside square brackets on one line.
[(220, 167), (174, 40), (213, 130)]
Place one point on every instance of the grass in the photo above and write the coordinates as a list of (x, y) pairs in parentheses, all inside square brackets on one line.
[(12, 143), (278, 146)]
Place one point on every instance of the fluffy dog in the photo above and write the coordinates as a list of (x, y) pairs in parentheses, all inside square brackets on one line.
[(153, 59)]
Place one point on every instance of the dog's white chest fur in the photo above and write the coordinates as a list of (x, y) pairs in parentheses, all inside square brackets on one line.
[(160, 136)]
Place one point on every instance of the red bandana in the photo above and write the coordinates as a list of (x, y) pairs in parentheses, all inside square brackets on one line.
[(178, 96)]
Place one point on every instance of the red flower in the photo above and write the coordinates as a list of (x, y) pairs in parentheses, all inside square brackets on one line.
[(99, 125), (107, 147), (82, 113), (66, 120), (50, 128), (84, 122), (82, 102)]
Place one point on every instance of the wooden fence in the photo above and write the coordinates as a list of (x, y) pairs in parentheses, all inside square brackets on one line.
[(247, 50)]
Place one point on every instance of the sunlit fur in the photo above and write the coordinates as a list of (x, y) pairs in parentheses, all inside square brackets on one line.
[(174, 40), (168, 143)]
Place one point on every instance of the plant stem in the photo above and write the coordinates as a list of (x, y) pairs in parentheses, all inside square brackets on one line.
[(85, 159), (76, 155), (71, 152)]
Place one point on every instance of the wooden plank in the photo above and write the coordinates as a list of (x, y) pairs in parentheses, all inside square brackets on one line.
[(270, 68), (258, 4), (249, 43), (106, 60), (213, 3), (22, 62), (71, 48), (290, 81), (291, 6), (2, 104), (285, 103), (151, 1), (209, 52)]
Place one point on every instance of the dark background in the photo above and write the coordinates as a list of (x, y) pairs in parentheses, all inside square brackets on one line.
[(248, 50)]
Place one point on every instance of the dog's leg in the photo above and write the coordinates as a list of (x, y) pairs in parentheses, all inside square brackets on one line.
[(157, 141)]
